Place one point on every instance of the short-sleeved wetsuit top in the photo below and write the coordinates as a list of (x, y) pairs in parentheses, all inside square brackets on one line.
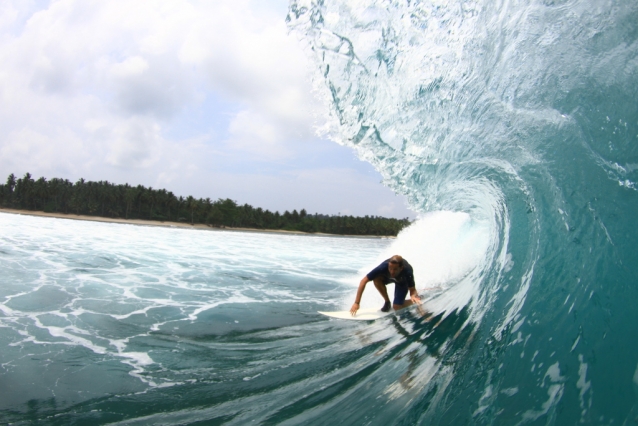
[(405, 277), (403, 281)]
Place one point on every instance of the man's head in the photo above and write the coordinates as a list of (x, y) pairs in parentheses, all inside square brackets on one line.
[(395, 265)]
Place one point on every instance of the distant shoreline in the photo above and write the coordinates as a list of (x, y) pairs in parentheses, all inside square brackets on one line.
[(167, 224)]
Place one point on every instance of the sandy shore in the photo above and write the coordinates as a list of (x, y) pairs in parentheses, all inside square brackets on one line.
[(167, 224)]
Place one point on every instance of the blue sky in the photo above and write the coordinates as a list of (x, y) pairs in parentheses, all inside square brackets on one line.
[(211, 99)]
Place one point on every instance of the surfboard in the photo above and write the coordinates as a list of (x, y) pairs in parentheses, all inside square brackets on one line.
[(369, 314)]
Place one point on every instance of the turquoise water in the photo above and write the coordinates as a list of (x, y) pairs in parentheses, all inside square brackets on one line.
[(107, 323), (524, 116), (510, 126)]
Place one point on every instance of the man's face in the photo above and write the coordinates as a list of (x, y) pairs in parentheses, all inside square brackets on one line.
[(394, 269)]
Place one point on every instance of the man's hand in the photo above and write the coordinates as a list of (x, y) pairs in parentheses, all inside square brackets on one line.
[(354, 309), (415, 298)]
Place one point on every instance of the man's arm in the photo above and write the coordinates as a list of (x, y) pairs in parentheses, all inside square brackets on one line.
[(357, 300), (414, 296)]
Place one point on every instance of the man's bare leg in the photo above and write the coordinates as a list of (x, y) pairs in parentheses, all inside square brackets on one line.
[(384, 293)]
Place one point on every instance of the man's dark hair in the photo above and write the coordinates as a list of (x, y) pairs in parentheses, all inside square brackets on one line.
[(397, 260)]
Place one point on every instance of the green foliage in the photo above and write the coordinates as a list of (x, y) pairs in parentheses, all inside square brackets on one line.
[(106, 199)]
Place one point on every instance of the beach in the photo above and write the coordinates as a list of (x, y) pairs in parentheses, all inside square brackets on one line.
[(168, 224)]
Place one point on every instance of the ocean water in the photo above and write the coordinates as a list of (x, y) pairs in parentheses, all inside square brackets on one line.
[(511, 127), (523, 115), (108, 323)]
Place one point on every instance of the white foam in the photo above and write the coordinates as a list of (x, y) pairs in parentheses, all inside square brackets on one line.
[(584, 386), (447, 250), (113, 273)]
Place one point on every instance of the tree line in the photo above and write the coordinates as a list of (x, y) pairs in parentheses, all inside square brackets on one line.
[(107, 199)]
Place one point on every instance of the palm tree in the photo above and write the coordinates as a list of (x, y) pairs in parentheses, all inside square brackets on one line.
[(191, 204), (54, 192), (141, 195), (11, 184), (151, 196), (78, 196), (25, 190), (130, 195), (170, 202), (207, 207), (162, 200), (215, 217), (111, 198)]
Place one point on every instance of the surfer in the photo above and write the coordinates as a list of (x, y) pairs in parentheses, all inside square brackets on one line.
[(394, 270)]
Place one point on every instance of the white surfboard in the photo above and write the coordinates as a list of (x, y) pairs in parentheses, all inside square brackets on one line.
[(368, 314)]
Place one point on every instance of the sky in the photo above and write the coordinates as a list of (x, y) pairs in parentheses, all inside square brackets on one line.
[(204, 98)]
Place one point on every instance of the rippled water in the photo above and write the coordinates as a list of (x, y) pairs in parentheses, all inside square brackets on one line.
[(522, 115), (106, 323)]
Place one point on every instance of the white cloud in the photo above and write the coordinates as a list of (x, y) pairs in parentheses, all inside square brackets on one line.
[(133, 143), (258, 65), (27, 146), (152, 58), (8, 15), (253, 134), (130, 67), (97, 89)]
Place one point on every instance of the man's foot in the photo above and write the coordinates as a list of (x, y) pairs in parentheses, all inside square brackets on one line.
[(386, 307)]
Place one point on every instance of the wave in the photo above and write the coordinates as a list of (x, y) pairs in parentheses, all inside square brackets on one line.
[(511, 128), (519, 117)]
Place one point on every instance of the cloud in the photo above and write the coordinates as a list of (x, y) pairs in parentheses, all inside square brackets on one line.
[(153, 59), (27, 146), (133, 142), (158, 92), (258, 65), (149, 87)]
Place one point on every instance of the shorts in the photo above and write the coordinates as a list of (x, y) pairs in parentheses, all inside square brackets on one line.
[(400, 291)]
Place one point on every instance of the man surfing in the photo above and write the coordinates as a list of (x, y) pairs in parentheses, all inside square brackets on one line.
[(394, 270)]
